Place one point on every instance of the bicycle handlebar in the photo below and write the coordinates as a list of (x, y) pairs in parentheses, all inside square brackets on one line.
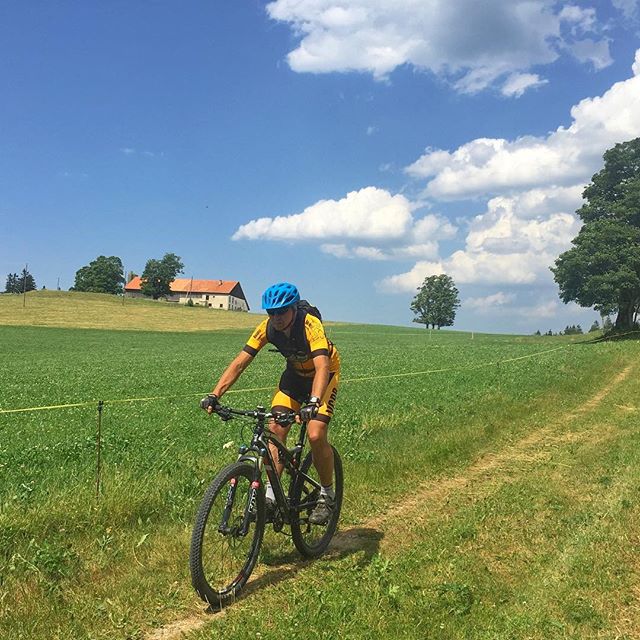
[(283, 418)]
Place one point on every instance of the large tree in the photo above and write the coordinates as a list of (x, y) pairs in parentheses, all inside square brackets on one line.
[(602, 269), (159, 274), (436, 302), (102, 275)]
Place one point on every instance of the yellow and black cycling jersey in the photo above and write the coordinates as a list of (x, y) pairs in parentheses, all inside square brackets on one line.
[(306, 340)]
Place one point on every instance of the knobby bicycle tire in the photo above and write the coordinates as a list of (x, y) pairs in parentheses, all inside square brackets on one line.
[(221, 563), (312, 540)]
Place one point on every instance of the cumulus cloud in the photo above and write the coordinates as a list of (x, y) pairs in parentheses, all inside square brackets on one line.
[(473, 45), (565, 157), (478, 267), (536, 184), (500, 230), (370, 213), (370, 224)]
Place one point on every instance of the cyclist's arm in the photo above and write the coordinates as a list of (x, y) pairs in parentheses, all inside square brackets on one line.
[(232, 373), (321, 377)]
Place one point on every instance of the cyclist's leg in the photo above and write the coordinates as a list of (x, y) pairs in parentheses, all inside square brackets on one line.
[(280, 432), (283, 400), (321, 450), (317, 430)]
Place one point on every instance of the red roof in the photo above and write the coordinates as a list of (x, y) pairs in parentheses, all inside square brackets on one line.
[(186, 285)]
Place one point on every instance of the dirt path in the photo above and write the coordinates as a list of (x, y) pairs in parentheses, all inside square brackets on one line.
[(391, 531)]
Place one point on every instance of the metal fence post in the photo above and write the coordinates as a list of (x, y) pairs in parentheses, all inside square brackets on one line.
[(99, 449)]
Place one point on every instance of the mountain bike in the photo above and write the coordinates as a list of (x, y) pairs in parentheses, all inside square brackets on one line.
[(231, 519)]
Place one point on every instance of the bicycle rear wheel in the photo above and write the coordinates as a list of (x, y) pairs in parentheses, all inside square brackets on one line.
[(311, 540), (222, 554)]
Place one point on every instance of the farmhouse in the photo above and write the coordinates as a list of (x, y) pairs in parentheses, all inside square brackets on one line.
[(217, 294)]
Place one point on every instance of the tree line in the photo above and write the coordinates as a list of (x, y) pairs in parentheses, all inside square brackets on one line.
[(105, 274)]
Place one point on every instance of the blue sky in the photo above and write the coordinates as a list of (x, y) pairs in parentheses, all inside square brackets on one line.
[(352, 147)]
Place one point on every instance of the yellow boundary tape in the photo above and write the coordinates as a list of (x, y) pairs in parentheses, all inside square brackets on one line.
[(269, 388), (343, 381)]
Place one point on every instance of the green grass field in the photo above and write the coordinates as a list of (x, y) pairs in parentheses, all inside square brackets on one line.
[(491, 491)]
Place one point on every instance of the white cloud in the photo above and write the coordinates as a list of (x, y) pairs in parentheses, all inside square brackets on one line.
[(471, 44), (488, 303), (412, 279), (500, 230), (127, 151), (432, 227), (479, 267), (370, 224), (565, 157), (513, 242), (370, 213), (517, 83), (636, 64)]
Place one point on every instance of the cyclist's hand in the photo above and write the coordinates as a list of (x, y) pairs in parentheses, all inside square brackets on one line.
[(309, 411), (210, 403)]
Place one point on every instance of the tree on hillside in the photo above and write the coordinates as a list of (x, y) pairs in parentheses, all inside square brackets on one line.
[(19, 283), (12, 283), (602, 269), (26, 281), (159, 274), (572, 330), (436, 302), (102, 275)]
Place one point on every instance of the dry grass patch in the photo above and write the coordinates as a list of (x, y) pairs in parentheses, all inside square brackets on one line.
[(70, 309)]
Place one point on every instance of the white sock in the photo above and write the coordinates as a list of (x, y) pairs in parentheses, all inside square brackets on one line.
[(328, 492), (269, 494)]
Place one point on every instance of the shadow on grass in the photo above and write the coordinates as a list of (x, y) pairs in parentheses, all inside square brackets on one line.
[(631, 336), (287, 566)]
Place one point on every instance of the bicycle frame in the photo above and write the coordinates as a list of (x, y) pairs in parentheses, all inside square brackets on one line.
[(259, 454)]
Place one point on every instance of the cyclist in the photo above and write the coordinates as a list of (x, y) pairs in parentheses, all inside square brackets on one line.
[(309, 383)]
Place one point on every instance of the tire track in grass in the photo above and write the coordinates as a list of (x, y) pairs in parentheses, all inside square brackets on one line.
[(483, 474), (392, 529)]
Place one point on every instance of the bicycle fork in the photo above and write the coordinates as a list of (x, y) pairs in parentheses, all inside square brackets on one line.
[(250, 509)]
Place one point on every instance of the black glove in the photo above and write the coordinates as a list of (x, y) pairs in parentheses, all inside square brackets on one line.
[(310, 410), (210, 402)]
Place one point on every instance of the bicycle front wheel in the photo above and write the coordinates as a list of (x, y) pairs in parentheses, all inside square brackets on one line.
[(227, 535), (311, 540)]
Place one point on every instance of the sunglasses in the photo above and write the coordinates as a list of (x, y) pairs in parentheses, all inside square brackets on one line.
[(277, 312)]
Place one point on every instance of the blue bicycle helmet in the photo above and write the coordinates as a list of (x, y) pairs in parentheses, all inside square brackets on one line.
[(280, 296)]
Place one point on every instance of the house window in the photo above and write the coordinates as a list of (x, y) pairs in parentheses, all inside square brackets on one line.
[(206, 297)]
